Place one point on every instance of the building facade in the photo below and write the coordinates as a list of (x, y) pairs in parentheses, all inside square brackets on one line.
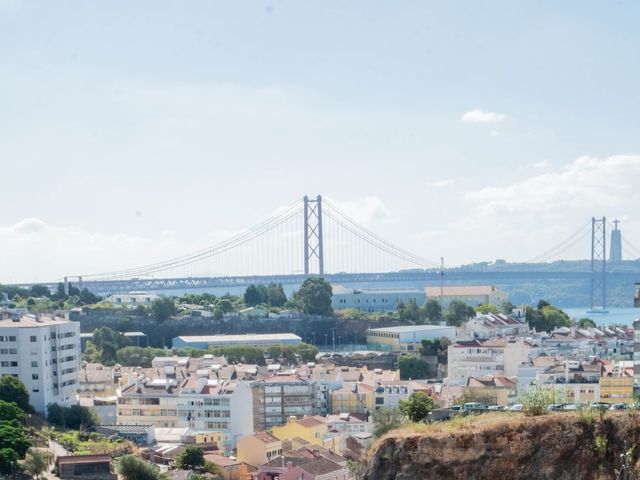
[(44, 353), (374, 300), (250, 340), (472, 295), (407, 338)]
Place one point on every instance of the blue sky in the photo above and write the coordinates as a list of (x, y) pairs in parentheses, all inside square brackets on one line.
[(131, 132)]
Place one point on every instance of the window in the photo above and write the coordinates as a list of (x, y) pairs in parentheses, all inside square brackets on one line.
[(35, 390), (34, 364), (34, 376), (33, 338), (13, 364)]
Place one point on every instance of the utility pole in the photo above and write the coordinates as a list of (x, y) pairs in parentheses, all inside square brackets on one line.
[(333, 339)]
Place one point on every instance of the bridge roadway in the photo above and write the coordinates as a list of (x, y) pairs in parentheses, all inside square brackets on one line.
[(456, 276)]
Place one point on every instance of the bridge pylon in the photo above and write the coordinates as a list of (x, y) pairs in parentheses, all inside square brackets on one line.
[(598, 264), (313, 247)]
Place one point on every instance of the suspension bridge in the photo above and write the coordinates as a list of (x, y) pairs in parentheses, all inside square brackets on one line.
[(314, 237)]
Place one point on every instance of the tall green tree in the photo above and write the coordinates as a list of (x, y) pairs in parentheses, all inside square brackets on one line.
[(586, 323), (433, 311), (314, 296), (408, 311), (546, 317), (417, 407), (276, 295), (163, 308), (13, 390), (252, 296)]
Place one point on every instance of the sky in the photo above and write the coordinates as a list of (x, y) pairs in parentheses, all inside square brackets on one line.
[(133, 132)]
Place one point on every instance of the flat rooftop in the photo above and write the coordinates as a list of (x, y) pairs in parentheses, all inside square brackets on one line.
[(410, 328), (239, 338), (30, 321)]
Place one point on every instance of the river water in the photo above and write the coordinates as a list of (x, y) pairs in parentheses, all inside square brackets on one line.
[(614, 316)]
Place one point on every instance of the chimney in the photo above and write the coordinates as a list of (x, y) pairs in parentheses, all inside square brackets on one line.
[(316, 454)]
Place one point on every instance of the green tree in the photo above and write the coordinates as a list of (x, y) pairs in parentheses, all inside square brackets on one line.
[(163, 308), (387, 419), (190, 458), (225, 305), (252, 296), (417, 407), (40, 291), (408, 311), (276, 296), (546, 317), (13, 390), (37, 461), (507, 308), (458, 313), (586, 323), (11, 411), (487, 308), (436, 347), (107, 342), (535, 400), (13, 436), (8, 461), (412, 366), (433, 311), (314, 296), (133, 468)]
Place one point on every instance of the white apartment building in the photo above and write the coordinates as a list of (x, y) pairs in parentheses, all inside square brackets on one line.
[(44, 353), (477, 358), (200, 404)]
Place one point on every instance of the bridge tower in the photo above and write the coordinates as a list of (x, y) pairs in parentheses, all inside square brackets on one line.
[(313, 248), (598, 264)]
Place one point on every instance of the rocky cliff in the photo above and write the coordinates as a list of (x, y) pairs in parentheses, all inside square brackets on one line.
[(510, 446)]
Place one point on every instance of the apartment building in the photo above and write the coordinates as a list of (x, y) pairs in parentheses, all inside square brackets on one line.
[(200, 404), (479, 358), (278, 397), (44, 353)]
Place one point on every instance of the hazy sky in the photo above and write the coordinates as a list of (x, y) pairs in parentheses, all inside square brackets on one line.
[(131, 132)]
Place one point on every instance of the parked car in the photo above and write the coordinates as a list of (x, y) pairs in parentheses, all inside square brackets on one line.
[(569, 406), (617, 406), (555, 407), (600, 406), (456, 408), (495, 407), (473, 406), (517, 407)]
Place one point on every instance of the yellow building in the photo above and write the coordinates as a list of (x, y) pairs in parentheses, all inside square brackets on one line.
[(616, 389), (312, 429), (259, 448), (354, 399)]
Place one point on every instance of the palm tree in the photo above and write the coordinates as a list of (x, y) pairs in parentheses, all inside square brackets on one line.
[(37, 461)]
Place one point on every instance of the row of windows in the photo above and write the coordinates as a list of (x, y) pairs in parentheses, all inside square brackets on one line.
[(10, 338), (6, 363), (217, 425), (8, 351)]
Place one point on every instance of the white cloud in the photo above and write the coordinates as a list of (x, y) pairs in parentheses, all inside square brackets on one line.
[(542, 164), (585, 184), (480, 116), (494, 133), (364, 211), (442, 183)]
